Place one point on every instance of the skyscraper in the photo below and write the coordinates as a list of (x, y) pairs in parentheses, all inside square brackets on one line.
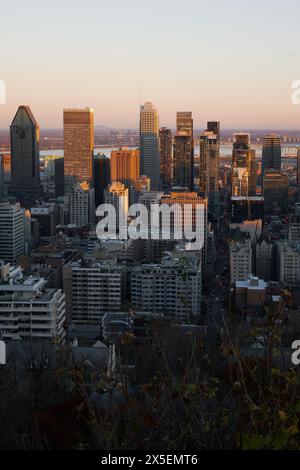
[(183, 152), (166, 157), (243, 166), (209, 167), (24, 139), (79, 144), (184, 122), (271, 153), (101, 177), (214, 127), (59, 176), (275, 186), (149, 144), (125, 165)]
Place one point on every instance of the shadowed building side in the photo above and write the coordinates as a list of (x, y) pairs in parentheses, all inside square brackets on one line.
[(271, 153), (183, 151), (25, 164)]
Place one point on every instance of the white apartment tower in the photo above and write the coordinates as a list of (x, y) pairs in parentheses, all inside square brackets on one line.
[(82, 204)]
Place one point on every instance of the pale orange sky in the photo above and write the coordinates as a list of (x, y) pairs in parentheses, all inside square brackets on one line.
[(234, 62)]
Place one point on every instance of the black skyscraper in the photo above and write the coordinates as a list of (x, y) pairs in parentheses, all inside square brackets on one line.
[(25, 165), (271, 153), (59, 177), (101, 177)]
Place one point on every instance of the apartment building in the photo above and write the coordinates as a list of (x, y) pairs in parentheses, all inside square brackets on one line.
[(171, 288), (240, 259), (92, 288), (27, 309), (11, 232), (288, 262)]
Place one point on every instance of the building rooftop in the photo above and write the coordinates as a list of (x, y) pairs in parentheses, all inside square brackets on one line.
[(252, 282)]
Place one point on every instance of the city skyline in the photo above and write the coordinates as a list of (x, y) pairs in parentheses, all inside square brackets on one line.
[(149, 229), (118, 63)]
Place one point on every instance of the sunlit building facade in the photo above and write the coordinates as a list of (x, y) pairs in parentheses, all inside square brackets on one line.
[(79, 144)]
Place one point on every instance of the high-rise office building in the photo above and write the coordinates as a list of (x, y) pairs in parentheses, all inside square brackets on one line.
[(59, 177), (214, 127), (243, 166), (79, 144), (166, 157), (11, 232), (102, 177), (125, 165), (271, 153), (149, 144), (275, 187), (209, 168), (183, 152), (25, 163), (184, 122)]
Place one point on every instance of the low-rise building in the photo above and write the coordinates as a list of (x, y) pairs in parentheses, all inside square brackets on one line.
[(28, 309), (250, 293)]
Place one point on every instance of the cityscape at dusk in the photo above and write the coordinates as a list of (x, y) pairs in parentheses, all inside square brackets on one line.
[(150, 230)]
